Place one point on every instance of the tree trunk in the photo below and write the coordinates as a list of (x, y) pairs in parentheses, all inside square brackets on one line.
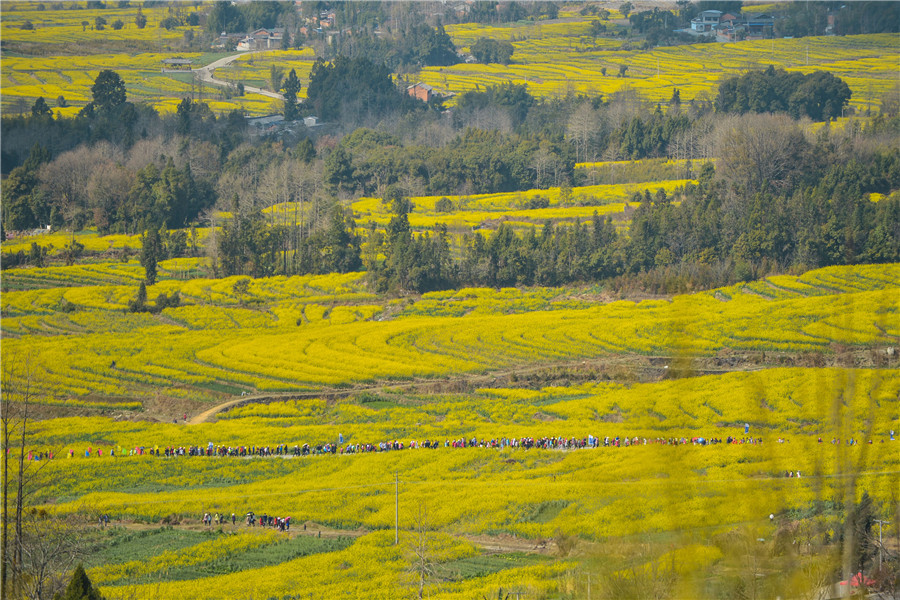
[(20, 484), (20, 498), (5, 532)]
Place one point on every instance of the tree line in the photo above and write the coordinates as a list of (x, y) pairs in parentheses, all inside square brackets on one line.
[(172, 172), (714, 237), (735, 224)]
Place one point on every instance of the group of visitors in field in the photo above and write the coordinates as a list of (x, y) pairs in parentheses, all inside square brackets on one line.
[(279, 523), (526, 443)]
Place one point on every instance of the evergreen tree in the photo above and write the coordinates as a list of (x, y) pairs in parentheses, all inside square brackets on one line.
[(341, 244), (79, 588), (291, 88), (40, 108), (108, 90), (151, 253)]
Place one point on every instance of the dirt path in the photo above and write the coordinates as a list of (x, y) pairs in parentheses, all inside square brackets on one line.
[(206, 75), (649, 368)]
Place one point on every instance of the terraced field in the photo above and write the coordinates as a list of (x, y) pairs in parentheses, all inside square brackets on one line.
[(488, 495), (552, 58), (314, 333), (559, 60), (625, 473), (487, 210)]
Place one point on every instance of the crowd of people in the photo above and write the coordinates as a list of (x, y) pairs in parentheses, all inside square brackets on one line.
[(252, 520), (339, 447), (298, 450), (279, 523)]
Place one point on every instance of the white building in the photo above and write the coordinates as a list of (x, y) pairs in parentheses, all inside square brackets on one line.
[(706, 21)]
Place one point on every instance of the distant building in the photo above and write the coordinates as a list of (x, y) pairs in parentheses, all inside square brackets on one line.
[(262, 39), (706, 20), (733, 27), (421, 91), (311, 121), (761, 26), (176, 64), (262, 122)]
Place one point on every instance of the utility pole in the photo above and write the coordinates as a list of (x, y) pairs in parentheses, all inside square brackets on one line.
[(881, 525), (397, 509)]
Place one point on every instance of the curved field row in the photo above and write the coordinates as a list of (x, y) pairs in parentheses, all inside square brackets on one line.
[(253, 347), (485, 210)]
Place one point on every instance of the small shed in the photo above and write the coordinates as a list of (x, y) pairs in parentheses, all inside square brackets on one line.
[(264, 121), (176, 65)]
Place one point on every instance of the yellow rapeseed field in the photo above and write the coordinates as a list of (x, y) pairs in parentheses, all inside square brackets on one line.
[(560, 59)]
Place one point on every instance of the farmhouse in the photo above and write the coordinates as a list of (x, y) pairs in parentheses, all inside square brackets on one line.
[(733, 27), (421, 91), (264, 121), (706, 20), (761, 26), (262, 39)]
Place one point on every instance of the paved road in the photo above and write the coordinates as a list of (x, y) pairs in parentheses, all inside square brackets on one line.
[(206, 75)]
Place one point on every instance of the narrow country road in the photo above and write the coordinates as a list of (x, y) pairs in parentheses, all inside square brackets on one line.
[(206, 75)]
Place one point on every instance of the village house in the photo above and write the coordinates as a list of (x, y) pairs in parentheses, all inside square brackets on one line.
[(733, 27), (706, 20), (760, 26), (262, 39), (421, 91)]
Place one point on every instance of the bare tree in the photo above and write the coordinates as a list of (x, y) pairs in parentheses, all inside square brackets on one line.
[(548, 168), (65, 181), (107, 191), (758, 150), (10, 421), (422, 564), (30, 561), (624, 105), (581, 128), (491, 118), (17, 394), (146, 151), (51, 547)]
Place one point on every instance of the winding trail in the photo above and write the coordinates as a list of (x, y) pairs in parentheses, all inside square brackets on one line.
[(653, 367), (206, 75)]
